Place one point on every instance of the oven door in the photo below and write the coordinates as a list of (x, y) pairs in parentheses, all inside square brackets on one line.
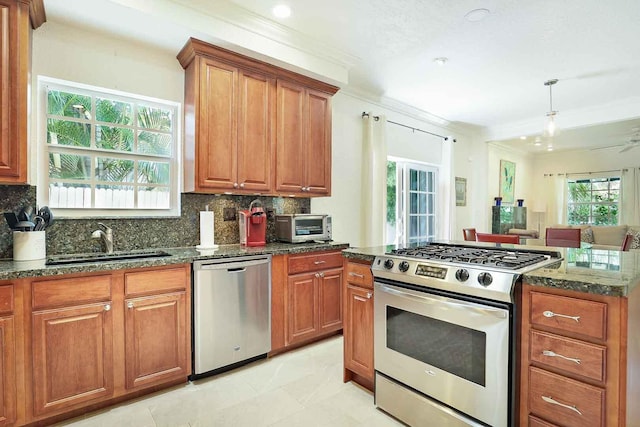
[(451, 350)]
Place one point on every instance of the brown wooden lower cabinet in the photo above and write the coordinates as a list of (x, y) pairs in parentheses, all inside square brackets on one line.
[(358, 323), (306, 298), (155, 331), (94, 339), (7, 371), (72, 356)]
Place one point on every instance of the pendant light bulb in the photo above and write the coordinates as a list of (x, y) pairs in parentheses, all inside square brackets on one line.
[(550, 128)]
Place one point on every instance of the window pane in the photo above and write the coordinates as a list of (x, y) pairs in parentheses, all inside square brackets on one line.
[(600, 185), (413, 203), (68, 104), (154, 143), (431, 206), (413, 179), (432, 225), (154, 118), (153, 172), (63, 132), (579, 193), (69, 166), (114, 138), (114, 170), (422, 199), (422, 226), (615, 184), (153, 198), (111, 111), (114, 196), (423, 181), (65, 195), (578, 214), (413, 226), (431, 178)]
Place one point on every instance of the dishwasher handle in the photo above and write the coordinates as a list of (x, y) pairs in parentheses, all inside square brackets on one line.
[(232, 265)]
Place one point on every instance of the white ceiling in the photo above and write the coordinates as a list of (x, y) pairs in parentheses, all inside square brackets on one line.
[(496, 69)]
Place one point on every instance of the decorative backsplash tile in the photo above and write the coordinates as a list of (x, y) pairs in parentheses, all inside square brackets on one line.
[(74, 235)]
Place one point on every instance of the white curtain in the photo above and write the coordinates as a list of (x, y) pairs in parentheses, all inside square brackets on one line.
[(555, 194), (373, 211), (630, 196)]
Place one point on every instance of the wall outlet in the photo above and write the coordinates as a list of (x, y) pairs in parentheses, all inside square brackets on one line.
[(229, 214)]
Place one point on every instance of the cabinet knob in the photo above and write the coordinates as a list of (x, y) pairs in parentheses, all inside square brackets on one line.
[(307, 189), (369, 295), (303, 188), (317, 274), (242, 185), (130, 304), (235, 185), (107, 307), (321, 274)]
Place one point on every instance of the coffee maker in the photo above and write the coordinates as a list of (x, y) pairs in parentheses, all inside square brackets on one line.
[(252, 223)]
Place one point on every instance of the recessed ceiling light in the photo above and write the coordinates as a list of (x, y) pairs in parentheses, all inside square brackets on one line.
[(549, 147), (281, 11), (440, 61), (537, 143), (477, 15), (523, 138)]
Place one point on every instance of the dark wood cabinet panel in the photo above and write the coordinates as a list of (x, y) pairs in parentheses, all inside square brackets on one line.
[(302, 307), (330, 299), (318, 143), (358, 331), (7, 371), (290, 137)]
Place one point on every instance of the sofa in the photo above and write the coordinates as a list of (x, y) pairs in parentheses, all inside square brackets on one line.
[(609, 237)]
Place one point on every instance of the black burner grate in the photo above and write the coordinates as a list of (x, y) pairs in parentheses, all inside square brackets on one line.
[(503, 258)]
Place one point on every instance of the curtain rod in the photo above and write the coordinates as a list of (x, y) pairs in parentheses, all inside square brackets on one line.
[(587, 173), (376, 118)]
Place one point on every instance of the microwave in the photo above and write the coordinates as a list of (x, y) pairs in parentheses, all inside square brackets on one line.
[(297, 228)]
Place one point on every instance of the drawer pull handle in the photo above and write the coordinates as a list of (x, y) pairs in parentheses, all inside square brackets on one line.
[(552, 354), (319, 262), (552, 314), (555, 402), (359, 276), (357, 298)]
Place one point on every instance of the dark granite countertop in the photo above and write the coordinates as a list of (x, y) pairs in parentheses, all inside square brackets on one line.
[(594, 271), (21, 269)]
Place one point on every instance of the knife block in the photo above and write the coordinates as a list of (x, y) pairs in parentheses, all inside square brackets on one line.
[(29, 245)]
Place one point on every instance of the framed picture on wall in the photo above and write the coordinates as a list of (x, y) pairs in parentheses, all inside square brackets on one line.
[(507, 180), (461, 191)]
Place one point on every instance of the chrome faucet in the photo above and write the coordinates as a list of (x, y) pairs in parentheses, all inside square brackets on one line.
[(106, 236)]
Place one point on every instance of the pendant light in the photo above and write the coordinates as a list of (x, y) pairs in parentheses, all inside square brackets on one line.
[(550, 127)]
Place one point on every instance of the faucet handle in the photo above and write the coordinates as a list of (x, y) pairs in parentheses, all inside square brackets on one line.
[(106, 229)]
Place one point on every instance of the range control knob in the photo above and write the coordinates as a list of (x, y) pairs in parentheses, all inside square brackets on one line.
[(485, 279), (388, 264), (404, 266), (462, 275)]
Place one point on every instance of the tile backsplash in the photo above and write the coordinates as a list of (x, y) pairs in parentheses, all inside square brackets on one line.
[(67, 236)]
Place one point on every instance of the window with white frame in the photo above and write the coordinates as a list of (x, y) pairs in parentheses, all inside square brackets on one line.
[(107, 153), (411, 202), (593, 200)]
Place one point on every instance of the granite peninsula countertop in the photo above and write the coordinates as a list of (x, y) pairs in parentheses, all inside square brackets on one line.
[(21, 269), (594, 271)]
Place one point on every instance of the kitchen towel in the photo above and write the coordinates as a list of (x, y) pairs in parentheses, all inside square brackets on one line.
[(206, 231)]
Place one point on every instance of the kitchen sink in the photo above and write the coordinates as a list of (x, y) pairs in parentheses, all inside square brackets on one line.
[(102, 257)]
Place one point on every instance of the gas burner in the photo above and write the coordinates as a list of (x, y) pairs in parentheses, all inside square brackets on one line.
[(501, 258)]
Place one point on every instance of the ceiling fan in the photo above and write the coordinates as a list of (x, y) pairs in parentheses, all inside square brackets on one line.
[(631, 142)]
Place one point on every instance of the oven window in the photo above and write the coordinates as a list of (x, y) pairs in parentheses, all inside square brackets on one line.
[(452, 348), (306, 227)]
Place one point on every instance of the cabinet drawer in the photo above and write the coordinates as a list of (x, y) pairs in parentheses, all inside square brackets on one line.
[(70, 291), (564, 401), (314, 261), (537, 422), (154, 281), (589, 359), (6, 299), (359, 275), (566, 314)]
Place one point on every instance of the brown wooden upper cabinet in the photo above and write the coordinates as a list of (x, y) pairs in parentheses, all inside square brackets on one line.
[(251, 127), (17, 18)]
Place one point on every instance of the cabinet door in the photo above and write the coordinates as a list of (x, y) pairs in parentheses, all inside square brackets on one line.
[(290, 138), (155, 339), (7, 372), (256, 132), (330, 300), (14, 34), (303, 307), (72, 357), (217, 125), (318, 143), (358, 331)]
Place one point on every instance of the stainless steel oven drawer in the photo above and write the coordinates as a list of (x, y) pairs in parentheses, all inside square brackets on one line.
[(416, 409)]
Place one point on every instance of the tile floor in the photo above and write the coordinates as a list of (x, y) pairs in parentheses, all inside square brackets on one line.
[(300, 388)]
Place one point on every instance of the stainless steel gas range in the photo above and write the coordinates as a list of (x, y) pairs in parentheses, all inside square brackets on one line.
[(445, 332)]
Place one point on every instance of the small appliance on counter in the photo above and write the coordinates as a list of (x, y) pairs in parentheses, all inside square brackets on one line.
[(252, 223), (298, 228)]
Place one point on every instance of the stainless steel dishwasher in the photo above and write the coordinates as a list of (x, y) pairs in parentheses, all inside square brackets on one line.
[(231, 313)]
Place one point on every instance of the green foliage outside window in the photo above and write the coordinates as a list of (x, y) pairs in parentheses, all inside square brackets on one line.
[(391, 193), (593, 201)]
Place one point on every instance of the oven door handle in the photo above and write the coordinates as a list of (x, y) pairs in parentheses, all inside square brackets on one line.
[(460, 305)]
